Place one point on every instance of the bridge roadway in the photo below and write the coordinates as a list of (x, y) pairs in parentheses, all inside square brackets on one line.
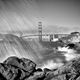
[(36, 35), (54, 35)]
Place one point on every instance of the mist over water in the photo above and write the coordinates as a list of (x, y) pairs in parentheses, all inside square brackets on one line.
[(11, 45), (43, 56)]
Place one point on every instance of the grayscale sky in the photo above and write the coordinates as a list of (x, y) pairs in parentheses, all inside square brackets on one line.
[(56, 15)]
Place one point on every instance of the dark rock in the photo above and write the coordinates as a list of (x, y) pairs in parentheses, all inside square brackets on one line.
[(60, 77), (46, 70), (9, 72), (71, 46), (78, 78), (2, 77), (16, 69), (28, 65), (70, 71), (25, 64), (39, 70), (37, 76), (23, 69)]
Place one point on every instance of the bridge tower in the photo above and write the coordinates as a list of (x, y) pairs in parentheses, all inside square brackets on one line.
[(40, 30)]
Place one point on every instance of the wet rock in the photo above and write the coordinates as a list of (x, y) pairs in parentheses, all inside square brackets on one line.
[(23, 69), (78, 78), (60, 77), (25, 64), (70, 71), (46, 70), (28, 65), (37, 76), (39, 70), (2, 77), (9, 72), (15, 68)]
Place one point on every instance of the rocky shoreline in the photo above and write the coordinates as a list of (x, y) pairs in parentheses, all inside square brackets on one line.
[(14, 68)]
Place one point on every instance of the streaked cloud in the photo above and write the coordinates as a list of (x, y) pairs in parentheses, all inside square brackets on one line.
[(24, 14)]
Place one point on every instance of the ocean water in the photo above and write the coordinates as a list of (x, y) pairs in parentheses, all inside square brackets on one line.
[(45, 55)]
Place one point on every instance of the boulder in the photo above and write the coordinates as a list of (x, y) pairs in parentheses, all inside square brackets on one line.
[(23, 63), (28, 65), (10, 72), (46, 70), (39, 70), (69, 71), (24, 69), (37, 76)]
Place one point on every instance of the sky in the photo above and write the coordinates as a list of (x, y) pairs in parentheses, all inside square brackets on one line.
[(56, 15)]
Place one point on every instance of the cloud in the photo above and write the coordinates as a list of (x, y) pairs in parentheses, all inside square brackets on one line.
[(17, 15), (24, 14)]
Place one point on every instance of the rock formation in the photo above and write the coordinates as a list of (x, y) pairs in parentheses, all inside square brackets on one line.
[(15, 68)]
